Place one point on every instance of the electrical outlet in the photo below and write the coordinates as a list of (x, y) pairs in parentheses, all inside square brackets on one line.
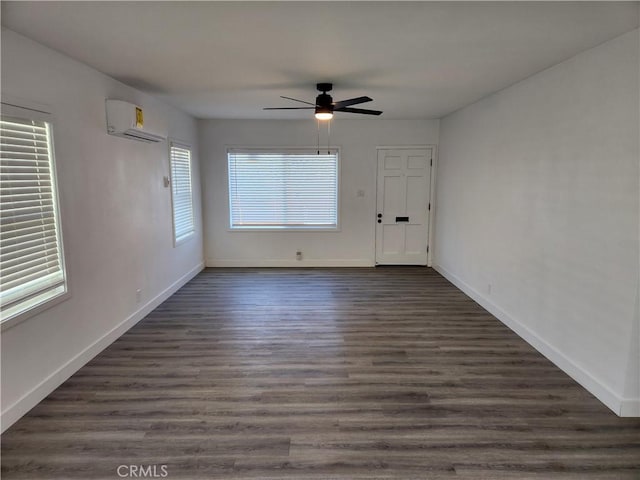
[(299, 255)]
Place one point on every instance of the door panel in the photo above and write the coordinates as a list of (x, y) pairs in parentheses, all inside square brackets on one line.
[(392, 239), (404, 181), (416, 162), (414, 239), (392, 162), (393, 191), (416, 196)]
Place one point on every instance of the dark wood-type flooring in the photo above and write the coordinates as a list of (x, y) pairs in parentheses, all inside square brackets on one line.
[(387, 373)]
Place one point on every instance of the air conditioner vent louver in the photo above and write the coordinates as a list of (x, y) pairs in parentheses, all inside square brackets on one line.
[(148, 137)]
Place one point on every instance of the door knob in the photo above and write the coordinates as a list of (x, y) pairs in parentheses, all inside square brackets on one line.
[(379, 221), (379, 215)]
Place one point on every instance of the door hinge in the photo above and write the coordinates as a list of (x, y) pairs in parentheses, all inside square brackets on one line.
[(431, 162), (429, 206), (427, 248)]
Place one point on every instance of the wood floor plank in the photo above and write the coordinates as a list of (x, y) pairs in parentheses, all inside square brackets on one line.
[(334, 374)]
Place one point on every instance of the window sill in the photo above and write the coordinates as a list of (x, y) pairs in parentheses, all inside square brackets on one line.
[(185, 239), (284, 229), (33, 311)]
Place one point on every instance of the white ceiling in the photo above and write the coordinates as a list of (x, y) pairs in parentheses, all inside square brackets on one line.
[(230, 59)]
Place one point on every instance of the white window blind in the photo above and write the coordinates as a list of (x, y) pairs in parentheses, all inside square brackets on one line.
[(181, 192), (31, 260), (283, 189)]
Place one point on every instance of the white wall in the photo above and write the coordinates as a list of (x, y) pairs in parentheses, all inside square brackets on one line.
[(116, 218), (354, 244), (537, 196)]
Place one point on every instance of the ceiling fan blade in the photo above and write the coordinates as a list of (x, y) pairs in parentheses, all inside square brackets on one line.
[(351, 101), (296, 100), (358, 110), (289, 108)]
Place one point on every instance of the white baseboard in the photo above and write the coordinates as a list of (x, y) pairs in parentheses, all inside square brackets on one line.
[(630, 407), (620, 406), (15, 411), (357, 262)]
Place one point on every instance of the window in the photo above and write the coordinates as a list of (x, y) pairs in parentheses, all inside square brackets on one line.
[(283, 189), (32, 269), (181, 192)]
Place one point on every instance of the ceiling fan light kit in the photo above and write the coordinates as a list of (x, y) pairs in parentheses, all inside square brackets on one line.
[(323, 114)]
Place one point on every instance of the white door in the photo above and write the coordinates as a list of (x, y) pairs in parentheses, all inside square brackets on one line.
[(402, 223)]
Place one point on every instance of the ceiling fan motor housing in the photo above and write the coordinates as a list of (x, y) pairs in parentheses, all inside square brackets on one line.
[(324, 103)]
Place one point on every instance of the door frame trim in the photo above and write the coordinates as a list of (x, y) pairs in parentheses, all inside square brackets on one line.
[(432, 192)]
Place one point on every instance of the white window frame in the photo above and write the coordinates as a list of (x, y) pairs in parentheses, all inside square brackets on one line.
[(307, 150), (188, 236), (39, 302)]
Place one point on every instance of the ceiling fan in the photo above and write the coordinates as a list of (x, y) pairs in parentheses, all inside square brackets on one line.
[(325, 106)]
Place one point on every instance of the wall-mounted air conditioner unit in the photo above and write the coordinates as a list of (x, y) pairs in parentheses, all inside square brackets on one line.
[(127, 120)]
